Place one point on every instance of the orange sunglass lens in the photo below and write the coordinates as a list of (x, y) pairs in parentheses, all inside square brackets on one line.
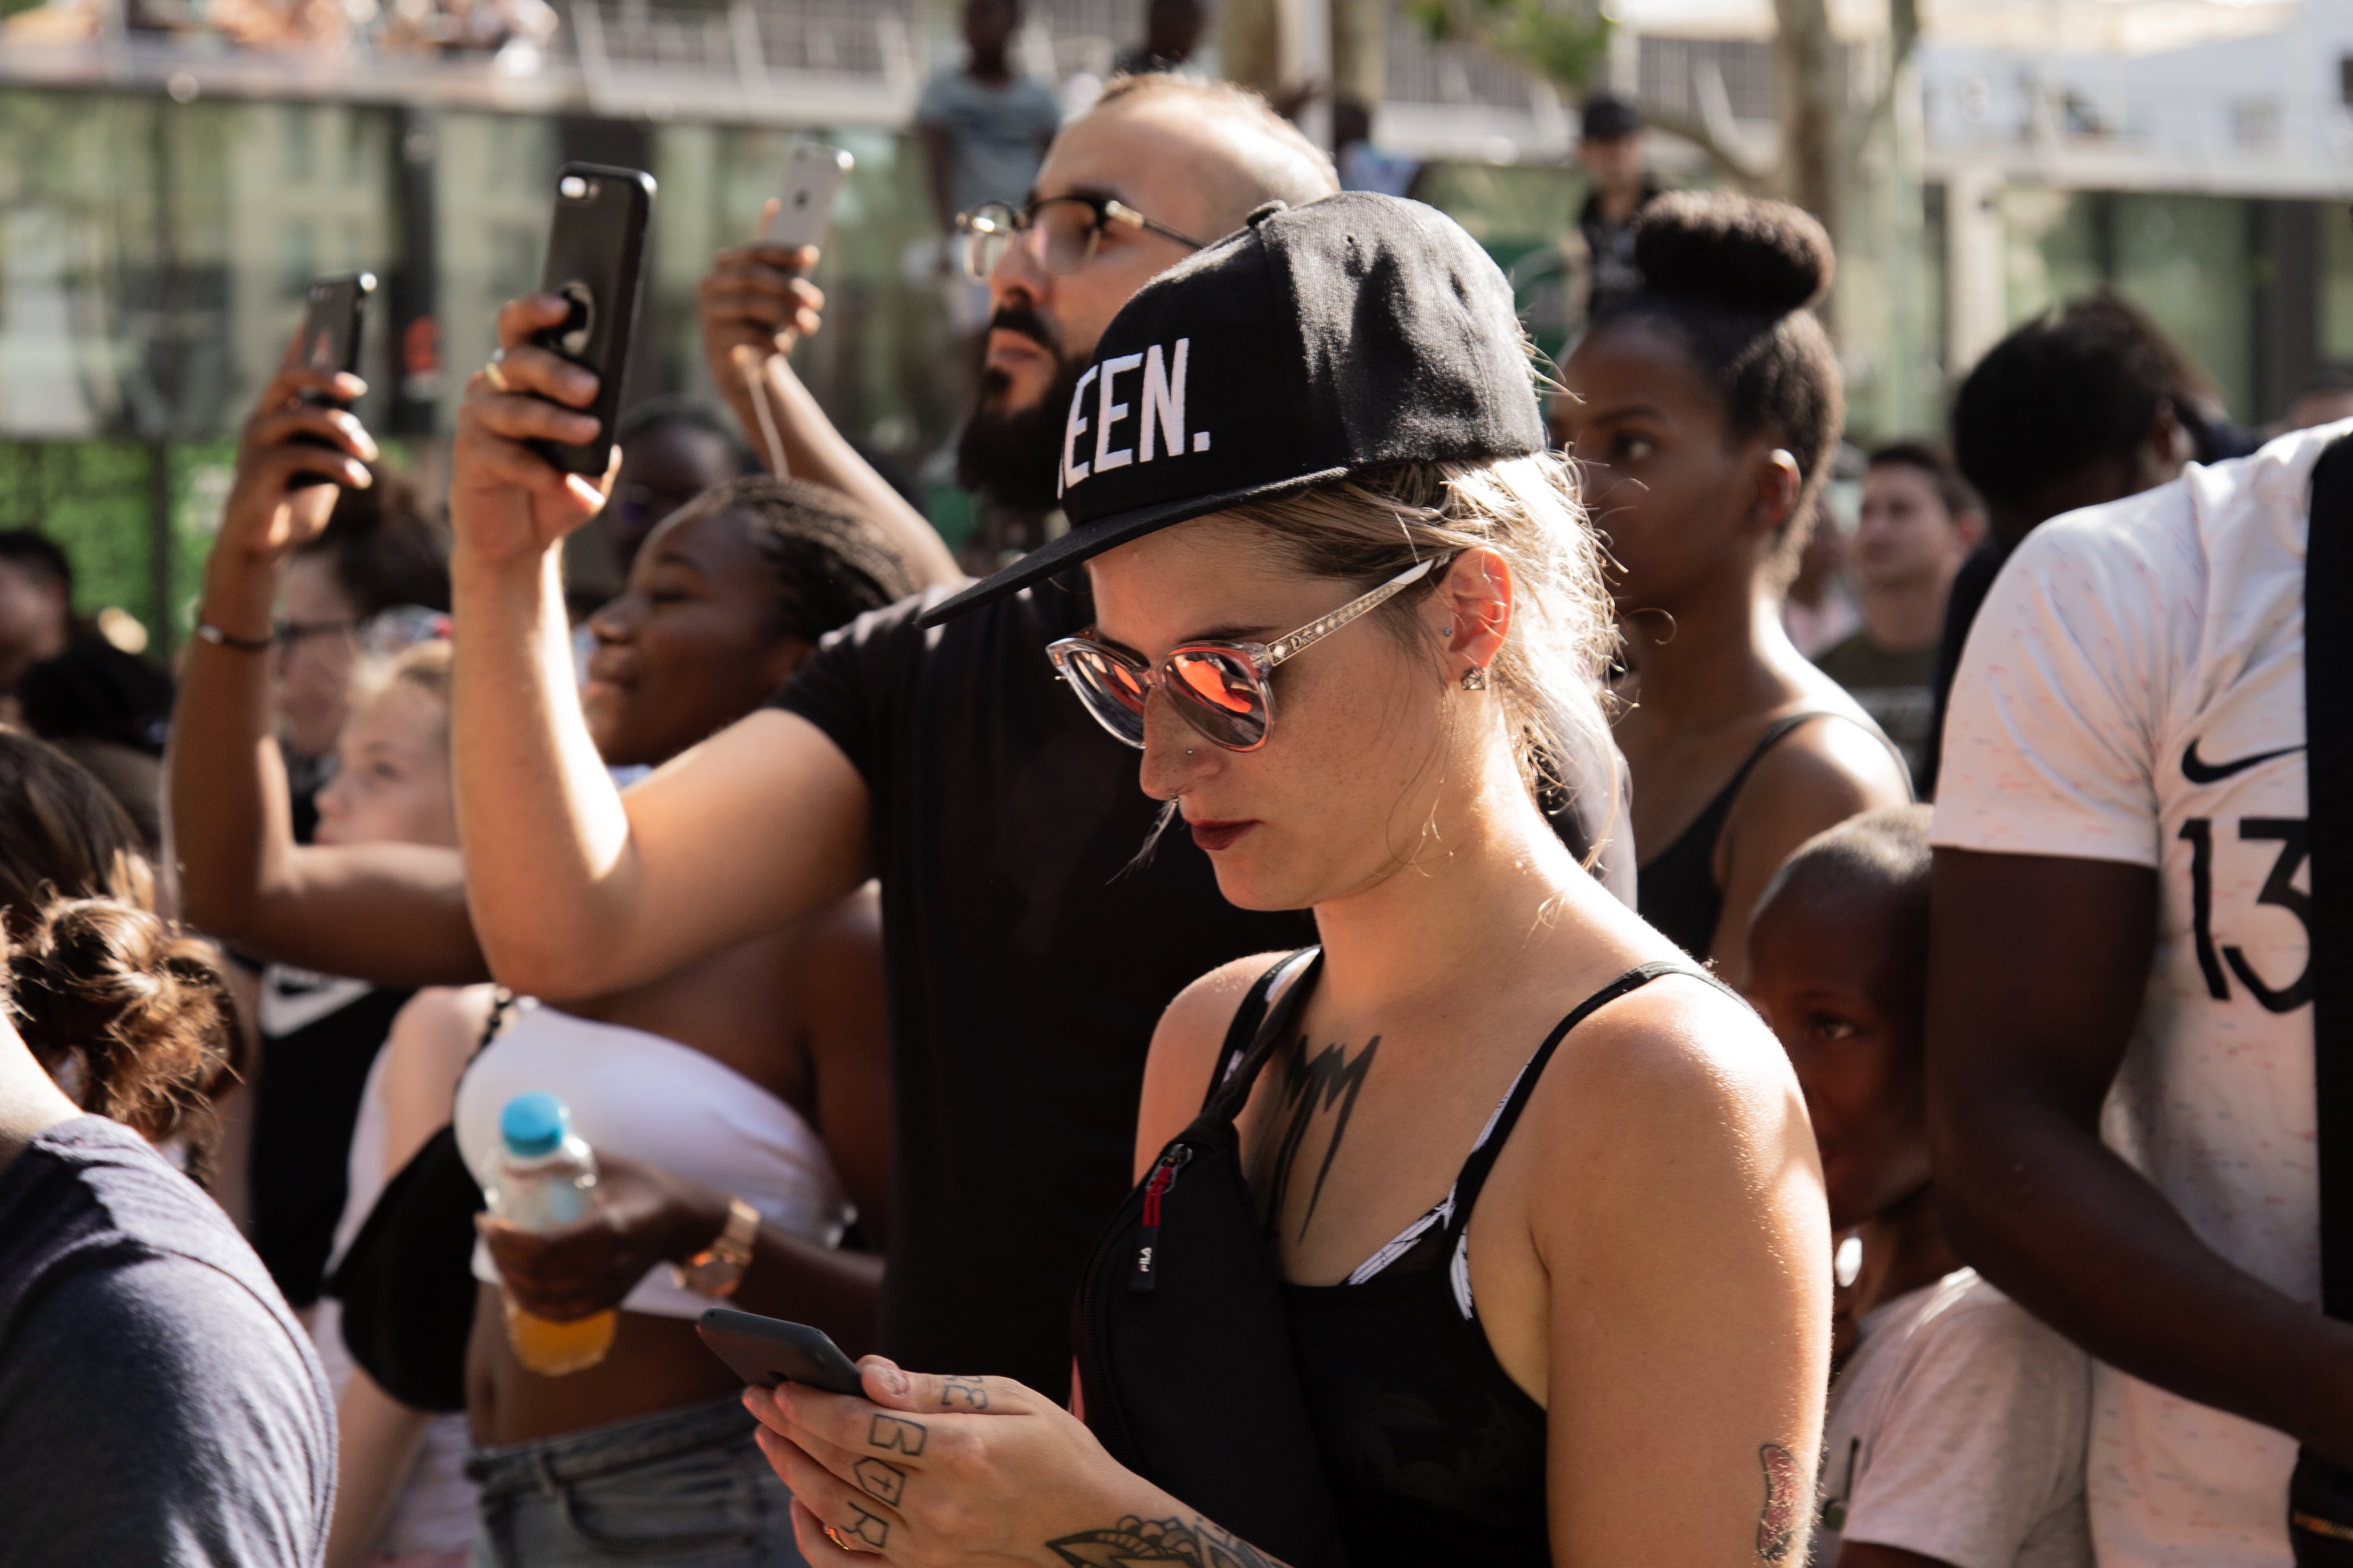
[(1209, 679)]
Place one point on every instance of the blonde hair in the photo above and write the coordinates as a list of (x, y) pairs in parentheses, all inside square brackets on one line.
[(1549, 679), (423, 668)]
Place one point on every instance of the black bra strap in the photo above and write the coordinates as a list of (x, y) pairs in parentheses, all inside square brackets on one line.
[(1482, 1157), (1256, 1025)]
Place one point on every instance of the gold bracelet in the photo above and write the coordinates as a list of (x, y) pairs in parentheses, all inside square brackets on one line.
[(718, 1269)]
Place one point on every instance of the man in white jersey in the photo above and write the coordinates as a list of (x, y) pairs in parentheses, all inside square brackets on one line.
[(2124, 1126)]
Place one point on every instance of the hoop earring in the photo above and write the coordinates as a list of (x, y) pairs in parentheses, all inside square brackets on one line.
[(1474, 678)]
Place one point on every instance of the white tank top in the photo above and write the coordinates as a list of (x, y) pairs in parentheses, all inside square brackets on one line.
[(653, 1099)]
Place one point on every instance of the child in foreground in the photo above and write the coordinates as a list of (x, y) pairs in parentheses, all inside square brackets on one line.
[(1956, 1426)]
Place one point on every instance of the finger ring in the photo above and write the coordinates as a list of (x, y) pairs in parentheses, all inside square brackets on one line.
[(491, 371)]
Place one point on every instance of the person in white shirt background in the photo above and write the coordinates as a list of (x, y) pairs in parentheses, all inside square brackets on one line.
[(2120, 1036)]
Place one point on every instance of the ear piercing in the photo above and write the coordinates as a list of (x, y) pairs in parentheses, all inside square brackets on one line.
[(1474, 678)]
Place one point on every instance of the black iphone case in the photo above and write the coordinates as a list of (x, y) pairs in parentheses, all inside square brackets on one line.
[(332, 324), (766, 1351), (595, 259)]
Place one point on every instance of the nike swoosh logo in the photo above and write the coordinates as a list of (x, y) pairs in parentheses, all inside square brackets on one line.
[(2199, 771)]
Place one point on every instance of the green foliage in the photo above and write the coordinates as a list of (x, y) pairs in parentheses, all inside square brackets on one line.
[(1564, 41)]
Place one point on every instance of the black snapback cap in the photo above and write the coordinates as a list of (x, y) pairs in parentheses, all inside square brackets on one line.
[(1354, 332)]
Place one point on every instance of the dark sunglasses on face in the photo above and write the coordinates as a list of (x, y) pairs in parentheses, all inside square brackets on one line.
[(1221, 688)]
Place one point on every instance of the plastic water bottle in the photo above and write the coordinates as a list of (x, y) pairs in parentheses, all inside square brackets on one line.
[(546, 1179)]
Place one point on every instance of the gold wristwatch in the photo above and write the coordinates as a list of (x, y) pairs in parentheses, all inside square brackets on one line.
[(718, 1269)]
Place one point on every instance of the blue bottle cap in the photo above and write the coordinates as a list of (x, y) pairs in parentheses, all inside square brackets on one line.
[(534, 1124)]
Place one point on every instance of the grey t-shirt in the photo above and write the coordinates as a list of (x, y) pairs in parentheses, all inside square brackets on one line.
[(1958, 1431), (158, 1403), (997, 134)]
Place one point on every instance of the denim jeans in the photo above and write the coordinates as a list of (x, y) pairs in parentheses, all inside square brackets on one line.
[(687, 1486)]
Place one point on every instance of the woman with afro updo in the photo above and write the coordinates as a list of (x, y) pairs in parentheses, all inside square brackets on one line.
[(1703, 410)]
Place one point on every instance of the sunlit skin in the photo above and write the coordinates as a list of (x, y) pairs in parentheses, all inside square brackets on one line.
[(1269, 816), (687, 647), (391, 774), (1456, 929), (315, 670), (1137, 150)]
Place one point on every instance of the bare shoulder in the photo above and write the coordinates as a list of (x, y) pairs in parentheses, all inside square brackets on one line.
[(1185, 1048), (1830, 762), (1648, 1071)]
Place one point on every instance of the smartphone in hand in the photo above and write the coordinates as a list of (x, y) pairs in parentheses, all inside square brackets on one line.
[(333, 319), (597, 265), (813, 177), (766, 1351)]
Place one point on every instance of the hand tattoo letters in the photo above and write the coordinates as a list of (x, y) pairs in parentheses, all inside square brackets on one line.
[(1781, 1524), (894, 1435), (1136, 1540), (885, 1480), (962, 1393), (870, 1531)]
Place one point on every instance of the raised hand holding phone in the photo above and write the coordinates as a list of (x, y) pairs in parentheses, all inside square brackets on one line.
[(334, 318), (534, 458)]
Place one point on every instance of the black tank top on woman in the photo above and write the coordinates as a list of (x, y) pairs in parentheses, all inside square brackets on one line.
[(1428, 1452), (1675, 891)]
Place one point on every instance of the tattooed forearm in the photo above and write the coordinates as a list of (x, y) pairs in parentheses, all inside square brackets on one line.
[(1781, 1525), (1308, 1087), (1197, 1545)]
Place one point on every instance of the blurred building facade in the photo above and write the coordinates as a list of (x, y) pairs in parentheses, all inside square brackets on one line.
[(173, 172)]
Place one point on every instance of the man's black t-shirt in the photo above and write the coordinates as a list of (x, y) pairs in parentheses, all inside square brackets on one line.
[(1028, 964)]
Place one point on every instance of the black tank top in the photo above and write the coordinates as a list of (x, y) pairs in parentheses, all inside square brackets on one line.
[(1675, 891), (1432, 1452)]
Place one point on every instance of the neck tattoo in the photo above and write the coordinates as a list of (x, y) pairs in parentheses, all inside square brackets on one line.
[(1310, 1086)]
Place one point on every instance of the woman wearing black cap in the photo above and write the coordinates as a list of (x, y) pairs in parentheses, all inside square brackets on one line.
[(1703, 410), (1500, 1237)]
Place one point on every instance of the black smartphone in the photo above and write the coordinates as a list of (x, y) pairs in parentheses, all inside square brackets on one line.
[(766, 1351), (596, 264), (331, 323)]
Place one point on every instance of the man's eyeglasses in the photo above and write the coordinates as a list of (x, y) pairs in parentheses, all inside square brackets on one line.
[(1218, 687), (1060, 232)]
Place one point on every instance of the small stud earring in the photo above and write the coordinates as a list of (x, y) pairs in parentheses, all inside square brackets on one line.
[(1189, 751), (1446, 631), (1474, 678)]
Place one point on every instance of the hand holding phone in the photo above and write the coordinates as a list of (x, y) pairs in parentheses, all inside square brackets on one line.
[(766, 1351), (332, 320), (596, 264)]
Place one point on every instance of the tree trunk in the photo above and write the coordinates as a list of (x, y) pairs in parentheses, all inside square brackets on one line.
[(1813, 92)]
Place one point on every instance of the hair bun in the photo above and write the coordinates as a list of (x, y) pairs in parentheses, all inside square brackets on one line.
[(1740, 251), (138, 1019)]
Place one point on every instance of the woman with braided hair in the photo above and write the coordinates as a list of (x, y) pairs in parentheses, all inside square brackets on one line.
[(742, 1097)]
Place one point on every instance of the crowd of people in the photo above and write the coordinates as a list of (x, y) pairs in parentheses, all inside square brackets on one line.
[(1758, 1165)]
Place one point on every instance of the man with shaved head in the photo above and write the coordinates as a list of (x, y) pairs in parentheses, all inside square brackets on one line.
[(1032, 931)]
